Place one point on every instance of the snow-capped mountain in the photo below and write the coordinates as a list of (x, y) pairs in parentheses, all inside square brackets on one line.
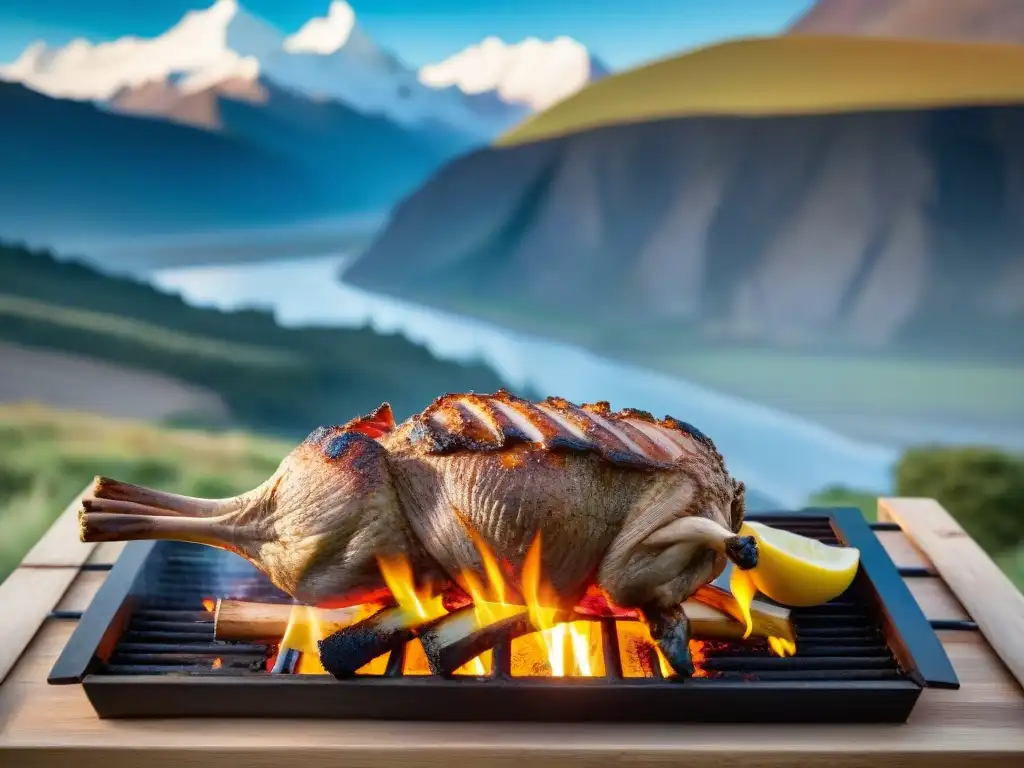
[(331, 57), (533, 73), (479, 92), (205, 46)]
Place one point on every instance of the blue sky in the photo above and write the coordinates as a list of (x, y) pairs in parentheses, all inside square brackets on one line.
[(621, 32)]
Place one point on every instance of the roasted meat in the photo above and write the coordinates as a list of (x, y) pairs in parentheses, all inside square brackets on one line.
[(639, 508)]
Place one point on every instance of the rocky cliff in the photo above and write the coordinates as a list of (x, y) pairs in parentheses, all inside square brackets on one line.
[(855, 230), (988, 21)]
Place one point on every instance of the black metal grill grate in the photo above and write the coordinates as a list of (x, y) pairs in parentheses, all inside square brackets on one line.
[(172, 631), (852, 662)]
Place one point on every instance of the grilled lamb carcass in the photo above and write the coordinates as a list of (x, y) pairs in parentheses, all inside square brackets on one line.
[(640, 508)]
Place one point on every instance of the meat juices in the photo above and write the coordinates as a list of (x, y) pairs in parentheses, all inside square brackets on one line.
[(640, 508)]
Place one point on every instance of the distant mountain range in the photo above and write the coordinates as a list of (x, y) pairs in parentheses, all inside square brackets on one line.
[(478, 92), (70, 168), (328, 122), (74, 170)]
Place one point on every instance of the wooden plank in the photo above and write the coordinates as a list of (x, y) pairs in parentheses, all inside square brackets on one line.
[(580, 747), (982, 724), (902, 552), (936, 599), (61, 546), (82, 591), (26, 599), (989, 696), (43, 725), (106, 552), (983, 589)]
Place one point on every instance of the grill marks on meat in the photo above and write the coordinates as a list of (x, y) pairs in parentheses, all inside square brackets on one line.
[(627, 438)]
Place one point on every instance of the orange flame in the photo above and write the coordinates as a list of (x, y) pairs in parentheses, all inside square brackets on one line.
[(568, 645), (208, 604), (217, 663), (780, 646), (397, 575), (306, 628), (557, 649), (637, 651), (302, 634), (489, 604), (743, 590)]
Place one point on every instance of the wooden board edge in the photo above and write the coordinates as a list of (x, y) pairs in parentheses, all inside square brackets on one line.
[(60, 546), (832, 747), (986, 593), (27, 597)]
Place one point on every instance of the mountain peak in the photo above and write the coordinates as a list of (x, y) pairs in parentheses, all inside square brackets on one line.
[(533, 72), (478, 93), (224, 26), (326, 34), (217, 42)]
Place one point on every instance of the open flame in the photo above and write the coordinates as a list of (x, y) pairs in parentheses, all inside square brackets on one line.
[(209, 604), (743, 590), (306, 628), (303, 633), (557, 649), (568, 645)]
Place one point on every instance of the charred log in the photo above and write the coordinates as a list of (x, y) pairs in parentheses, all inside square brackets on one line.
[(350, 648), (460, 637)]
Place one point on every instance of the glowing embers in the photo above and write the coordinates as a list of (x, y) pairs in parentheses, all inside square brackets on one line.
[(571, 649), (640, 656)]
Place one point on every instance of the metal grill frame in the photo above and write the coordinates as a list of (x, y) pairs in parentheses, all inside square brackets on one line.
[(907, 633)]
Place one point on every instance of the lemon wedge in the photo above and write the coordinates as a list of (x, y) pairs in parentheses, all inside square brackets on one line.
[(794, 570)]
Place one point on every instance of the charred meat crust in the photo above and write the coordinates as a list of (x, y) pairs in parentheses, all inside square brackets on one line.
[(742, 550), (376, 424), (477, 422)]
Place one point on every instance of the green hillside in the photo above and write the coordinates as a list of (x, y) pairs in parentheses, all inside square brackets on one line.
[(790, 76), (48, 456), (273, 379)]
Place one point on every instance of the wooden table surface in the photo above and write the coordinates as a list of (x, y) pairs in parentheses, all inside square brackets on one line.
[(982, 724)]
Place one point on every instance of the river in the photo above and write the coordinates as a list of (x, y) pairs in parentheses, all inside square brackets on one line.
[(779, 455)]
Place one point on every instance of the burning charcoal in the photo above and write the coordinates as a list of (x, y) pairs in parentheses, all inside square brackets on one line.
[(670, 629), (348, 649), (459, 637)]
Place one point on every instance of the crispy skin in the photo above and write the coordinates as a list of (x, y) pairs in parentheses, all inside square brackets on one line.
[(628, 438), (496, 471)]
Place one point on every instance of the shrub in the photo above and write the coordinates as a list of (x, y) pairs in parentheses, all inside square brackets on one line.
[(983, 488)]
